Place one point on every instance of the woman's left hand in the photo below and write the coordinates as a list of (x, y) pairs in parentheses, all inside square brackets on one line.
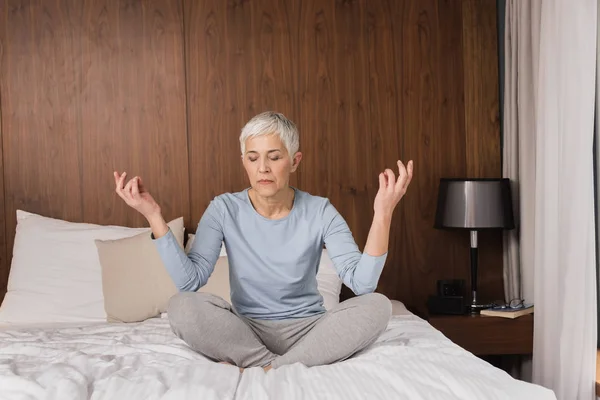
[(392, 190)]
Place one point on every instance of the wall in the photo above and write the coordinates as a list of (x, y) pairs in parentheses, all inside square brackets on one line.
[(161, 89)]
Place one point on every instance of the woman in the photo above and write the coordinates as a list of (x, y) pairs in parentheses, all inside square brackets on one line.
[(274, 235)]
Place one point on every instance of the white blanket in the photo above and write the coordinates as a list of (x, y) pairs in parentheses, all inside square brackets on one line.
[(411, 360), (108, 361)]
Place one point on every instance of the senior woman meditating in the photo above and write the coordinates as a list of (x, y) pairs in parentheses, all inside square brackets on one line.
[(274, 236)]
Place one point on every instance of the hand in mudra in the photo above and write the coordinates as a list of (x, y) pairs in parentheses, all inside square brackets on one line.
[(135, 195), (392, 190)]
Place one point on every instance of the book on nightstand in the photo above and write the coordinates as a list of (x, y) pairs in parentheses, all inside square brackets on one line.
[(508, 312)]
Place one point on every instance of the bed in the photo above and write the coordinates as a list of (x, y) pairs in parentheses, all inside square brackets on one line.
[(144, 360), (68, 331)]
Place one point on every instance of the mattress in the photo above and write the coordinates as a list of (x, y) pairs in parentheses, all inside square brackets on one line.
[(411, 360)]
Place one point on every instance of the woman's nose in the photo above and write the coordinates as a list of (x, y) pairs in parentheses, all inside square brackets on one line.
[(263, 166)]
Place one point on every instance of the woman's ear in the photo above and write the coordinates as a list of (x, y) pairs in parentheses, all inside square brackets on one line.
[(296, 161)]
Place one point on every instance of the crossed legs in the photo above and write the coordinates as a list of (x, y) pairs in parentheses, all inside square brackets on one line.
[(209, 326)]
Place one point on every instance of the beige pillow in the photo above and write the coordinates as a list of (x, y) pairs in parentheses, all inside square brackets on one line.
[(135, 282), (218, 282)]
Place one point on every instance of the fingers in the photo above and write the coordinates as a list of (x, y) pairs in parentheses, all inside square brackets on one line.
[(141, 186), (135, 191), (391, 178), (119, 179), (127, 189), (410, 174), (402, 177), (382, 181), (387, 179), (131, 191)]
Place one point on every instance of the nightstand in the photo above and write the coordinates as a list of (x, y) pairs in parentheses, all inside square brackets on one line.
[(482, 335)]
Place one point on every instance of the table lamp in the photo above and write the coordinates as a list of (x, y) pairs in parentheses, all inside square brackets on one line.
[(474, 204)]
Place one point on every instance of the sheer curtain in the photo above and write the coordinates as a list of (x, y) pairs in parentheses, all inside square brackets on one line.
[(522, 27), (521, 38), (548, 137)]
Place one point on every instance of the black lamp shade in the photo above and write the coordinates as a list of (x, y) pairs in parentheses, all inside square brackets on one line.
[(474, 204)]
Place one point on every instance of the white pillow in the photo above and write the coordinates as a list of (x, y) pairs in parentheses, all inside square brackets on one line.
[(55, 274), (328, 281)]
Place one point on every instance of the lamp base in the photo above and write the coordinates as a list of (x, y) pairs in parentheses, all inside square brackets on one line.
[(475, 308)]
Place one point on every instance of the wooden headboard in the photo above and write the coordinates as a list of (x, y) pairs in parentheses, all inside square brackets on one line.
[(161, 89)]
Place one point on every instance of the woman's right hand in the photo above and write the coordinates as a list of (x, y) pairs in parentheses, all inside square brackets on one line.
[(136, 196)]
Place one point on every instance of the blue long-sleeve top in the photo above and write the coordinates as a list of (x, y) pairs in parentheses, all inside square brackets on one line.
[(272, 263)]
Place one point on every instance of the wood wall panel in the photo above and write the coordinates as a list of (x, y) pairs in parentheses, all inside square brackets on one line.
[(40, 91), (430, 85), (452, 262), (317, 100), (482, 124), (334, 109), (4, 260), (482, 118), (240, 59), (133, 110), (386, 127), (162, 88)]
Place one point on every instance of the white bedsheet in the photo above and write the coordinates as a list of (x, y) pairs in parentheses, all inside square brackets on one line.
[(411, 360), (108, 361)]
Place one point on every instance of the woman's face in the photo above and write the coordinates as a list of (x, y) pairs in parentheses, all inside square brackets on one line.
[(268, 164)]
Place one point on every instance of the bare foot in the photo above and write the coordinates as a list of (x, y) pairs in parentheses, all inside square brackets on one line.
[(268, 367)]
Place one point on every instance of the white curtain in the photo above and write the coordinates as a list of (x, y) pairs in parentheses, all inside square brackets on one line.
[(521, 38), (522, 28), (550, 84)]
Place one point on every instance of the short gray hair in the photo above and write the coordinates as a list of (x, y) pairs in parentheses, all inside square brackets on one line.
[(271, 122)]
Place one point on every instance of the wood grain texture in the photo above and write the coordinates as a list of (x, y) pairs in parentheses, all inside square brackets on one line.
[(482, 118), (386, 127), (40, 91), (162, 88), (240, 62), (429, 80), (483, 335), (334, 110), (4, 260), (4, 255), (133, 114), (482, 127), (334, 90)]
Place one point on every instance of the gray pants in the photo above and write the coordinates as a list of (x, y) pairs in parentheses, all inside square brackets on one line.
[(209, 325)]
